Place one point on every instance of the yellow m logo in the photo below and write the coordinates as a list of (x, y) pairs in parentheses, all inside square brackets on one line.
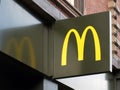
[(19, 49), (80, 44)]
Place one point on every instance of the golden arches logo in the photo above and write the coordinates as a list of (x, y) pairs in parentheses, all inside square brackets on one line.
[(80, 44), (19, 49)]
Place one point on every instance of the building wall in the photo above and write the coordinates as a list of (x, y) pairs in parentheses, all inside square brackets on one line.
[(95, 6), (118, 4)]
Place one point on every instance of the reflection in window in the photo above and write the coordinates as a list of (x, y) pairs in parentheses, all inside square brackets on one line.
[(12, 15)]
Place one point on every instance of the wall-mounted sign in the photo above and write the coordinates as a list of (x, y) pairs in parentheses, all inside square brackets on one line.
[(28, 45), (77, 46), (82, 45)]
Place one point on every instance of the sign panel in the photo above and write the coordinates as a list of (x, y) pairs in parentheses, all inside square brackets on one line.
[(28, 45), (82, 45), (72, 47)]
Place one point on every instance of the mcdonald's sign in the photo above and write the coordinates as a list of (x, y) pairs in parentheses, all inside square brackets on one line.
[(72, 47), (82, 45)]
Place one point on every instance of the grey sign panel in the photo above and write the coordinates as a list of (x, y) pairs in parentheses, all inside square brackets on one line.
[(82, 45), (28, 45), (72, 47)]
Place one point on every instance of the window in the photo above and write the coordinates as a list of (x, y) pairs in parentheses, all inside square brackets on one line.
[(71, 2), (72, 8), (78, 4)]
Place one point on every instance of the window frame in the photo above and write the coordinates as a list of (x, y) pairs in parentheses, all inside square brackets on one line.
[(67, 8), (79, 5)]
